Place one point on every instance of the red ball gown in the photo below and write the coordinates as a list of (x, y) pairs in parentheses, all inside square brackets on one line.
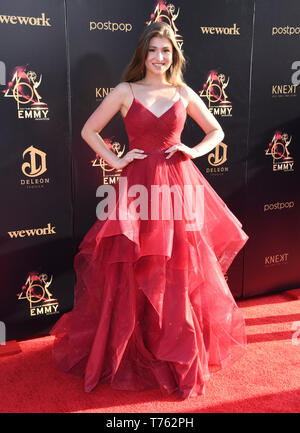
[(152, 308)]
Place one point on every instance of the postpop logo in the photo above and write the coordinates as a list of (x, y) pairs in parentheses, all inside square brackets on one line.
[(110, 26), (278, 205), (287, 30)]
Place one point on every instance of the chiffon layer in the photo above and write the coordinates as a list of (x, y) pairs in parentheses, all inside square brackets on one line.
[(152, 308)]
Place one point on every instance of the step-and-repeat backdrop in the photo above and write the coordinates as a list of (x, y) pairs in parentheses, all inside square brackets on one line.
[(60, 58)]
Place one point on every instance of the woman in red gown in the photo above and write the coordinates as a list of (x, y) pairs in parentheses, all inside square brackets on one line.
[(152, 308)]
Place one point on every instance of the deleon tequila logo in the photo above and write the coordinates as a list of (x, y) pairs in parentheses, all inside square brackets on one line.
[(110, 175), (167, 13), (34, 167), (278, 149), (217, 159), (36, 291), (23, 88), (213, 91)]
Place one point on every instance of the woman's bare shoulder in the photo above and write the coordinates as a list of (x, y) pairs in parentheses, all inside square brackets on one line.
[(187, 92), (122, 88)]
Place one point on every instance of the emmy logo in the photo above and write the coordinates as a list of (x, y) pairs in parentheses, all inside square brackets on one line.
[(214, 91), (278, 149), (23, 87), (109, 173), (37, 164), (166, 13), (36, 291)]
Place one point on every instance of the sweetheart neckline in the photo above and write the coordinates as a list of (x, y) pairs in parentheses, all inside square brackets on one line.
[(144, 106)]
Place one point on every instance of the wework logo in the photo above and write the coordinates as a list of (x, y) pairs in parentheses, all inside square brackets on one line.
[(32, 21), (221, 30), (33, 232)]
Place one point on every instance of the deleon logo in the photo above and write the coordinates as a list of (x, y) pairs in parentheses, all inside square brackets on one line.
[(36, 291), (278, 149), (110, 175), (23, 88), (34, 167), (217, 159), (167, 13), (213, 91)]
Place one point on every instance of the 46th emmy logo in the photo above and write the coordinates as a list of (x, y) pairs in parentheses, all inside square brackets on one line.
[(166, 12), (36, 291), (23, 88), (214, 91), (110, 174), (278, 149)]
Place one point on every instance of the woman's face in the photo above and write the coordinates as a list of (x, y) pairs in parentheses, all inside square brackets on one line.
[(160, 55)]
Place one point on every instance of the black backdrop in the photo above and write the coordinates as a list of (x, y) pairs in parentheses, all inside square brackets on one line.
[(60, 58)]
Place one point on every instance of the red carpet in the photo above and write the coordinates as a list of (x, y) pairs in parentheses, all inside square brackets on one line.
[(265, 380)]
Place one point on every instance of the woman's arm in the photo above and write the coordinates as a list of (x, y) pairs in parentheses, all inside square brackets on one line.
[(200, 113), (108, 108), (197, 109)]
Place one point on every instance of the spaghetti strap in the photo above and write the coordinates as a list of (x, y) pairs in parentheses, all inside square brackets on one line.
[(131, 88), (179, 92)]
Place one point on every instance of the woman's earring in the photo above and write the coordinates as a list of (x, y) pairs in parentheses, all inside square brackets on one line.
[(171, 68)]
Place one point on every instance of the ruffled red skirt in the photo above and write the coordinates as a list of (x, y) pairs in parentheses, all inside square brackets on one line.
[(152, 308)]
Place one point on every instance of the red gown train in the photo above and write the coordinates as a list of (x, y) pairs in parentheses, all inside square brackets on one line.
[(152, 308)]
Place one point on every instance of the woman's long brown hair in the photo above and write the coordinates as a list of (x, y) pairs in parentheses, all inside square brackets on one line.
[(135, 70)]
